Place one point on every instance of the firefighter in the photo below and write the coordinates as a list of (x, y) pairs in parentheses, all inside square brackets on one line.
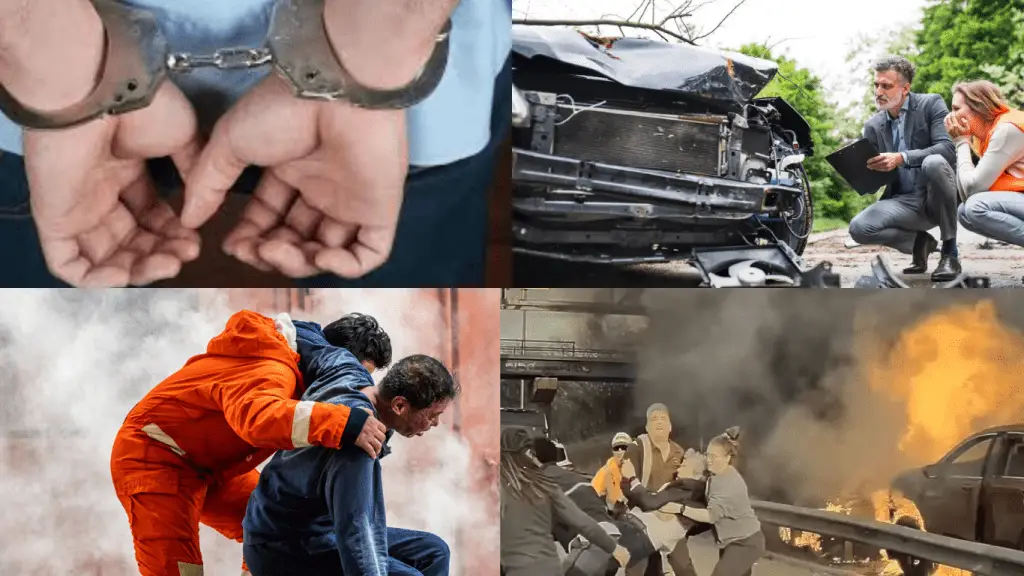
[(187, 452)]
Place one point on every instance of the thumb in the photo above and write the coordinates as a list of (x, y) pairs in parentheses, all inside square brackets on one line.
[(185, 158), (210, 178)]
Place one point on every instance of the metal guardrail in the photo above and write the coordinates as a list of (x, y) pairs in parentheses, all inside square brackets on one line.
[(980, 559), (557, 349)]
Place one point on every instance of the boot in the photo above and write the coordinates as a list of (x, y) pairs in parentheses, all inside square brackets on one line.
[(947, 270), (924, 244)]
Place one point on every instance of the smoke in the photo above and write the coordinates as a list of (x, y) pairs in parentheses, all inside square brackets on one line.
[(74, 362), (784, 365)]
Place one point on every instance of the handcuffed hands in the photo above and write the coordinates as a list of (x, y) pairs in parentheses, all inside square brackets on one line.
[(886, 162), (100, 220), (329, 199)]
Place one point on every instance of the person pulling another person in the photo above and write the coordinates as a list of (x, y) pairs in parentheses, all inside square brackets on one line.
[(983, 122)]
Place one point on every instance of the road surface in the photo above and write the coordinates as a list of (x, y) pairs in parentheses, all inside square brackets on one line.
[(705, 555), (1002, 263)]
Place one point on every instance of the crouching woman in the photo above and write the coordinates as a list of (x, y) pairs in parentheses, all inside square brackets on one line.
[(982, 121)]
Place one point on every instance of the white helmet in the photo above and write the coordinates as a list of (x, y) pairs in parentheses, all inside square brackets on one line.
[(621, 439)]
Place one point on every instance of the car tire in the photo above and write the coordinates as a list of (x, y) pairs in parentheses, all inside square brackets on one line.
[(803, 225), (910, 565)]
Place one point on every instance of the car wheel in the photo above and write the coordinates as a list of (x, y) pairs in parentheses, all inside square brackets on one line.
[(795, 232), (910, 565)]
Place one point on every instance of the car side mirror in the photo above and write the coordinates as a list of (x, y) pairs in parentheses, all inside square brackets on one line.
[(931, 471)]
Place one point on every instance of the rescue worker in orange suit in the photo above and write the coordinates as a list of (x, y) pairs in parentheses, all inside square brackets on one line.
[(187, 452)]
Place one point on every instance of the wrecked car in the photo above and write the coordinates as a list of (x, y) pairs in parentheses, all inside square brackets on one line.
[(633, 150), (975, 492)]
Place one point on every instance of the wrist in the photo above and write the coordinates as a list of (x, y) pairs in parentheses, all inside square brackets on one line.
[(52, 51), (384, 45)]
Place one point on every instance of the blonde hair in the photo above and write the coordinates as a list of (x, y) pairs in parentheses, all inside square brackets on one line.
[(983, 97)]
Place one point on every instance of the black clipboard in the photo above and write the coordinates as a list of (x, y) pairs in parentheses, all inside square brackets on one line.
[(851, 162)]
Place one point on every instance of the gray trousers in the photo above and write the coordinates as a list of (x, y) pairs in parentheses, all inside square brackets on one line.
[(738, 558), (894, 222), (997, 215)]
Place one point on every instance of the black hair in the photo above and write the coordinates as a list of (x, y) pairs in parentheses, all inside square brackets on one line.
[(545, 450), (420, 379), (361, 335)]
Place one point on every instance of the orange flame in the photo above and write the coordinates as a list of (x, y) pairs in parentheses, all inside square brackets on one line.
[(957, 371)]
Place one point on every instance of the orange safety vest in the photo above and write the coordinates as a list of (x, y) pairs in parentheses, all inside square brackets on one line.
[(1006, 181)]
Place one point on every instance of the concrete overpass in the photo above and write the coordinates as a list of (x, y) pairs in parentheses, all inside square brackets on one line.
[(525, 359)]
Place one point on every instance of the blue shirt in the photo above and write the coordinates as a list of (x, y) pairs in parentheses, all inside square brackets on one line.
[(452, 124), (897, 125), (318, 499)]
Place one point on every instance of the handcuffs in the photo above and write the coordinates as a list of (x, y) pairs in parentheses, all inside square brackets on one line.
[(137, 61)]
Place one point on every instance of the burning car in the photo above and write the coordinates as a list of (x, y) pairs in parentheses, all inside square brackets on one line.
[(635, 150)]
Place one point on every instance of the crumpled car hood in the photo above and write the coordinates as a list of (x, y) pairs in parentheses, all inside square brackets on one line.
[(694, 71)]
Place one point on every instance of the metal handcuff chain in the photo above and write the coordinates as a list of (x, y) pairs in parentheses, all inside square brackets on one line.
[(136, 61)]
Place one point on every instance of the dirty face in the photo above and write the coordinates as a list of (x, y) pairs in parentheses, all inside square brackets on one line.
[(960, 109), (409, 421), (659, 425), (890, 90), (718, 458)]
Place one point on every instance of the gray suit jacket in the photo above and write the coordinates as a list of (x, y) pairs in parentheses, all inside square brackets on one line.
[(924, 130)]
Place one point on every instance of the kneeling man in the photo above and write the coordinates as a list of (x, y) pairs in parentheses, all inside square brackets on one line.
[(321, 512), (910, 132)]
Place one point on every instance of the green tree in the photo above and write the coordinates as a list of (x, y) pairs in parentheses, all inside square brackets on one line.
[(804, 91), (969, 39)]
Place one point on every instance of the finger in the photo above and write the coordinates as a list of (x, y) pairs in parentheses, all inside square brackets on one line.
[(157, 218), (334, 234), (378, 435), (303, 219), (186, 158), (210, 178), (264, 212), (155, 267), (366, 448), (370, 250), (115, 229), (66, 261), (289, 258)]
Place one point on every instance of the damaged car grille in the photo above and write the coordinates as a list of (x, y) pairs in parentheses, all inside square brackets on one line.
[(651, 142)]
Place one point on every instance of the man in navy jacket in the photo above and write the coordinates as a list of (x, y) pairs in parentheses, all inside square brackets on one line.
[(319, 511)]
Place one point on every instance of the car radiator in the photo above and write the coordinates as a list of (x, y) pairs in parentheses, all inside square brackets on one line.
[(689, 144)]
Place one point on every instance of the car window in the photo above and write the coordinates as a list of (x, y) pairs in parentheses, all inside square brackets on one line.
[(1015, 463), (970, 459)]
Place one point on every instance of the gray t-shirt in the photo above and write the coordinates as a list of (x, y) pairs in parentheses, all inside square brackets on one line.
[(729, 508)]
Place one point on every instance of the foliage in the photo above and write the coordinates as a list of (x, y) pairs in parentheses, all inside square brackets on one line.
[(971, 39), (804, 91)]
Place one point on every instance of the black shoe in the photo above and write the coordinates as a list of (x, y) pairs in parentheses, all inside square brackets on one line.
[(947, 270), (924, 244)]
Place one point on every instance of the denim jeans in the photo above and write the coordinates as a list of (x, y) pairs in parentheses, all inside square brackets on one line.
[(442, 227), (410, 553)]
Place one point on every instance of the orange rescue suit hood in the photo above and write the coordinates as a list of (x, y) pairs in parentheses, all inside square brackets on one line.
[(251, 335)]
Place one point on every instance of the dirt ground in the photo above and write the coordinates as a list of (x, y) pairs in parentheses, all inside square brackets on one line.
[(1002, 263)]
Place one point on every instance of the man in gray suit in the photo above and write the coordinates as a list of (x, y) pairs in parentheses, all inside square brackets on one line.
[(909, 132)]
